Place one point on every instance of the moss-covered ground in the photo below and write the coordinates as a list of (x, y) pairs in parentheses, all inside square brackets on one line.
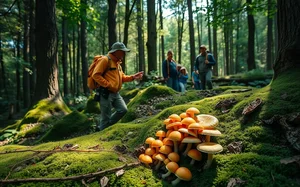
[(257, 165)]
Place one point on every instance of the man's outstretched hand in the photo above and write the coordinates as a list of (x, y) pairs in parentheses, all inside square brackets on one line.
[(138, 75)]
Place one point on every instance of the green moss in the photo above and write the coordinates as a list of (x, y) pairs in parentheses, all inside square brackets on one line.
[(45, 111), (73, 124), (92, 106)]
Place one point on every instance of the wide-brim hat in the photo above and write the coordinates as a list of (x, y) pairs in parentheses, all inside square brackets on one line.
[(118, 46), (203, 46)]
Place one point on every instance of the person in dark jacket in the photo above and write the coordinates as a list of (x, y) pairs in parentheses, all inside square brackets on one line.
[(203, 66), (170, 73)]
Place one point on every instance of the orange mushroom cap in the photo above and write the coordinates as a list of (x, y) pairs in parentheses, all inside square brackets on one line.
[(187, 121), (175, 117), (183, 173), (174, 157), (172, 167), (165, 149), (195, 154)]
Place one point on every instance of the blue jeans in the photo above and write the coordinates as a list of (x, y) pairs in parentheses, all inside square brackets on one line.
[(197, 85), (182, 87), (205, 79), (173, 83), (115, 101)]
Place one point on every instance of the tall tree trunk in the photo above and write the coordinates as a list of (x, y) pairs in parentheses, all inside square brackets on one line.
[(152, 36), (26, 80), (237, 50), (140, 24), (180, 27), (270, 37), (192, 34), (46, 52), (74, 61), (251, 33), (78, 73), (128, 12), (32, 53), (2, 71), (198, 26), (84, 64), (65, 54), (208, 27), (226, 57), (18, 73), (215, 42), (111, 22), (162, 35), (289, 37)]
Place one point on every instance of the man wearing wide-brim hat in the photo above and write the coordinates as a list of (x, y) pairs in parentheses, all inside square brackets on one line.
[(203, 66), (110, 82)]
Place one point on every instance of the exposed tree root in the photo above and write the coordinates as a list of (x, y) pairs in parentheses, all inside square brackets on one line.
[(78, 177)]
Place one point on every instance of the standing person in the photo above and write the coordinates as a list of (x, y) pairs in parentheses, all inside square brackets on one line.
[(183, 77), (170, 73), (110, 84), (203, 66), (196, 80)]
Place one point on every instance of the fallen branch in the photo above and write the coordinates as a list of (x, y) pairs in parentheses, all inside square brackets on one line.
[(78, 177), (54, 151)]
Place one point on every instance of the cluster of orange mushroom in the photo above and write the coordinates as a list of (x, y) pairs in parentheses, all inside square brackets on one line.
[(188, 134)]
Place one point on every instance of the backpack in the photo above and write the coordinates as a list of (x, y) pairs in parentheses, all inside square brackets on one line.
[(91, 83)]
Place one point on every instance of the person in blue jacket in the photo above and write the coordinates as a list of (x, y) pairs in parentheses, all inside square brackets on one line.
[(203, 66), (183, 77), (196, 81), (170, 73)]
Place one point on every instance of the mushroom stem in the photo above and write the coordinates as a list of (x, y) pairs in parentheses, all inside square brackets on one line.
[(166, 174), (157, 165), (208, 162), (189, 146), (175, 146), (207, 138), (192, 162), (176, 181)]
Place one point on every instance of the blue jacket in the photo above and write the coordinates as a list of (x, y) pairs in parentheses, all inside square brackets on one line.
[(172, 69), (200, 63), (183, 78)]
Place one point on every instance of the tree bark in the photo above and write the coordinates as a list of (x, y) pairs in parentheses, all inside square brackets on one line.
[(251, 33), (46, 52), (152, 36), (140, 24), (65, 54), (192, 35), (288, 37), (84, 64), (111, 22)]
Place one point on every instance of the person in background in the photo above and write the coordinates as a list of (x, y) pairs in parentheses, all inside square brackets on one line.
[(196, 81), (183, 77), (110, 85), (203, 66), (169, 70)]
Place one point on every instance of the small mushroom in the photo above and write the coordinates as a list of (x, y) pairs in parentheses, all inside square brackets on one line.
[(156, 144), (183, 115), (187, 132), (209, 133), (160, 157), (174, 157), (175, 117), (210, 148), (189, 140), (175, 136), (149, 141), (146, 159), (195, 155), (175, 126), (164, 149), (192, 111), (182, 173), (187, 121), (196, 127), (171, 167), (150, 151), (160, 134), (207, 121)]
